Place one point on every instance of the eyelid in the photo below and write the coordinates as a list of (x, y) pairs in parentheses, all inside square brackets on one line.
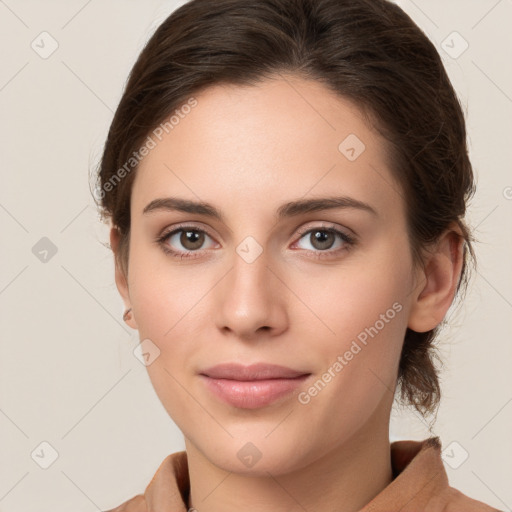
[(183, 227), (320, 225)]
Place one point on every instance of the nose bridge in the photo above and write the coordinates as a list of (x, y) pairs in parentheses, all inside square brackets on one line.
[(249, 297), (250, 273)]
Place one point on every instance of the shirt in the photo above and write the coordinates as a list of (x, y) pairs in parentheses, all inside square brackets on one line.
[(419, 484)]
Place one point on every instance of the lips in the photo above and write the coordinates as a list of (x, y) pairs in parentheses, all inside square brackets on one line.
[(251, 387), (259, 371)]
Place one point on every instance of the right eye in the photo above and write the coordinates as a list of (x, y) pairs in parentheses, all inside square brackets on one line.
[(191, 239)]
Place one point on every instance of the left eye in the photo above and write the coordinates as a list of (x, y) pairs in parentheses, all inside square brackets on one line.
[(323, 239)]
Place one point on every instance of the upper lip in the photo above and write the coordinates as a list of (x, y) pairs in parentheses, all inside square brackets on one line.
[(258, 371)]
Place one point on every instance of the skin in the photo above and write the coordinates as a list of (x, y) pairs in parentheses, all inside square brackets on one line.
[(247, 150)]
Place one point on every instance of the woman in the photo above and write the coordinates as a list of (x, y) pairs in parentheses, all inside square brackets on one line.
[(286, 182)]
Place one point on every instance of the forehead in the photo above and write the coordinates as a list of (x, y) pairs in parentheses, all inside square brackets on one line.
[(250, 146)]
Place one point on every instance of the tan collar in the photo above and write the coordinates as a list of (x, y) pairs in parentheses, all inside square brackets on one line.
[(419, 479)]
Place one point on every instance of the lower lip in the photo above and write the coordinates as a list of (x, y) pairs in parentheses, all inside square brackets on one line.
[(252, 394)]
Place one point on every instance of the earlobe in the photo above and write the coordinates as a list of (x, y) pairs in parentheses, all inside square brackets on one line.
[(129, 319), (437, 283), (121, 280)]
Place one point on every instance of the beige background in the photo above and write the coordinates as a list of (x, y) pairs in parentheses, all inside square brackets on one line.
[(68, 374)]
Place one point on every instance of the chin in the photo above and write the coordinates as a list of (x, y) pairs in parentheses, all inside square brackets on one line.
[(259, 456)]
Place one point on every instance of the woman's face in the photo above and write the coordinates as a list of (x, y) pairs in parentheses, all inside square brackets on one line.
[(265, 282)]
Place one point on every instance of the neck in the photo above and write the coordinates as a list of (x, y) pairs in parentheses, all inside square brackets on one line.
[(344, 479)]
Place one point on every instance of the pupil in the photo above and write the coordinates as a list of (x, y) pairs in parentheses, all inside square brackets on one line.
[(322, 237), (191, 237)]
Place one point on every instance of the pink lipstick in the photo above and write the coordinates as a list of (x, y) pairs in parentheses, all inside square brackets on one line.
[(253, 386)]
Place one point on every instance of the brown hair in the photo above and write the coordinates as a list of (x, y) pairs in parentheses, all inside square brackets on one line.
[(367, 51)]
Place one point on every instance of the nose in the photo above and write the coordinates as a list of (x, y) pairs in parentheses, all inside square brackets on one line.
[(250, 302)]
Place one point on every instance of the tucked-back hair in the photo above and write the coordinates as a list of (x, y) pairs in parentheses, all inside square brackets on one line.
[(366, 51)]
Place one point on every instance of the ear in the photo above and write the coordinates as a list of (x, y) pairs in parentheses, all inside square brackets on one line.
[(437, 283), (120, 277)]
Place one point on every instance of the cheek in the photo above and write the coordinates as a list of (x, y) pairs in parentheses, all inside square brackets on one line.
[(359, 363), (166, 307), (351, 300), (363, 308), (169, 311), (163, 294)]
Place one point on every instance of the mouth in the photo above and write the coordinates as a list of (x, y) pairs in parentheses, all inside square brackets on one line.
[(254, 386)]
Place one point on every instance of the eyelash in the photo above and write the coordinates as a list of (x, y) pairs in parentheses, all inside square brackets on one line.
[(348, 240)]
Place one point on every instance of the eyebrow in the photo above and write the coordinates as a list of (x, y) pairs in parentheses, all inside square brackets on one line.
[(289, 209)]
